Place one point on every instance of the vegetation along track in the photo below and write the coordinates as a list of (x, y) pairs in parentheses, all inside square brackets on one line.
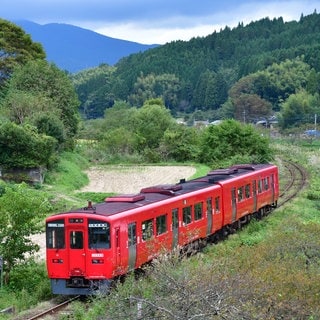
[(295, 180)]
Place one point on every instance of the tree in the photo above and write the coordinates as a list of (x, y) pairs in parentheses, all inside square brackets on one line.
[(16, 48), (40, 87), (230, 141), (180, 143), (150, 122), (299, 108), (21, 214), (23, 147), (165, 86)]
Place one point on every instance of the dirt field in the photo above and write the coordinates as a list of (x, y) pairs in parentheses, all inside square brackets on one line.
[(126, 179)]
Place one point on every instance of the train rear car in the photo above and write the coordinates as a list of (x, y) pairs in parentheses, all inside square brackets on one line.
[(248, 190)]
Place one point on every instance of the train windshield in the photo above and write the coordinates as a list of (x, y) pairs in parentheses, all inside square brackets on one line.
[(55, 238), (99, 234)]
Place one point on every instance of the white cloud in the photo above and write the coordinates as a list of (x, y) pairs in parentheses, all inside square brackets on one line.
[(146, 35), (155, 21)]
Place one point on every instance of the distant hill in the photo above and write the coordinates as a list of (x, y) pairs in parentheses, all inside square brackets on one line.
[(74, 49)]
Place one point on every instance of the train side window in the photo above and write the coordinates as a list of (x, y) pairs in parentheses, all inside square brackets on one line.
[(161, 224), (240, 194), (175, 218), (76, 239), (186, 215), (260, 186), (198, 211), (99, 234), (147, 229), (266, 183), (247, 190), (217, 204), (132, 234), (55, 238), (209, 206)]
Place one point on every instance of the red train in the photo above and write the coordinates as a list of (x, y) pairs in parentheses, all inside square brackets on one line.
[(89, 247)]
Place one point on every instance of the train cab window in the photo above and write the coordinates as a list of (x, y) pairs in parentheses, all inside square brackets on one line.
[(266, 183), (198, 211), (99, 234), (76, 239), (147, 229), (161, 224), (247, 191), (240, 194), (55, 238), (217, 204), (186, 215)]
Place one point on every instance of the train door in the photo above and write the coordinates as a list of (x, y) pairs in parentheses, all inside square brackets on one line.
[(118, 252), (272, 188), (77, 253), (175, 228), (209, 216), (132, 245), (234, 204), (254, 191)]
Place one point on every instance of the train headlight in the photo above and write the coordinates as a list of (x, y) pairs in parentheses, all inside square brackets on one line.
[(97, 261)]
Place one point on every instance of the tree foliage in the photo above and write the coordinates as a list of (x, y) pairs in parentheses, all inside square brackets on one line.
[(39, 92), (230, 140), (21, 214), (300, 108), (24, 147), (16, 48), (93, 87)]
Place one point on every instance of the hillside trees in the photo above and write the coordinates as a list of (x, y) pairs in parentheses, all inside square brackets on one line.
[(16, 48), (263, 93), (94, 89), (42, 95), (165, 86)]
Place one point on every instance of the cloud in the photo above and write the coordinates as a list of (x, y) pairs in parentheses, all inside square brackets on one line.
[(154, 21)]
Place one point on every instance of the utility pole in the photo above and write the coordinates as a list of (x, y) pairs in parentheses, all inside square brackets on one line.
[(1, 271)]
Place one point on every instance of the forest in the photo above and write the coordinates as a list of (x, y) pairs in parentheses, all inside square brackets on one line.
[(264, 69)]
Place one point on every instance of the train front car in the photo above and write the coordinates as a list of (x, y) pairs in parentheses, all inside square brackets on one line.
[(79, 253)]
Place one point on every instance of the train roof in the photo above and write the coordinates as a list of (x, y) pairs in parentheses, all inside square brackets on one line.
[(149, 195)]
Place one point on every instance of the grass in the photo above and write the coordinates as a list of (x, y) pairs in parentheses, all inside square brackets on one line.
[(268, 270)]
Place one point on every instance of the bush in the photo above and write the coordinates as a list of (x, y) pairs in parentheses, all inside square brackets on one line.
[(31, 277)]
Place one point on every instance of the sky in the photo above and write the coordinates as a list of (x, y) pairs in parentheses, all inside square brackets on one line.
[(154, 21)]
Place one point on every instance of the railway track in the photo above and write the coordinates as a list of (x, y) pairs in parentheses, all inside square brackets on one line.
[(51, 313), (295, 179)]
